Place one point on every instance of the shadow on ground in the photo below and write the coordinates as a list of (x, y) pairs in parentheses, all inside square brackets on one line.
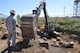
[(21, 45)]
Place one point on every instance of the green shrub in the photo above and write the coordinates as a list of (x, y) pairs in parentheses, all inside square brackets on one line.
[(72, 24)]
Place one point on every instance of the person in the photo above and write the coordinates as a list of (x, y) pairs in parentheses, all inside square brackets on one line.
[(11, 27)]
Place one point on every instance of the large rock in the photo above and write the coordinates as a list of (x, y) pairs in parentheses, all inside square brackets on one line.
[(5, 33), (1, 34), (4, 30), (4, 36), (69, 45), (43, 43)]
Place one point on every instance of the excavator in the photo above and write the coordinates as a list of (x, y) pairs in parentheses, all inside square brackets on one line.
[(29, 23)]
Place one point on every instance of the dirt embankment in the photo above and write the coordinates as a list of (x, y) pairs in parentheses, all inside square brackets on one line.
[(3, 30), (75, 35)]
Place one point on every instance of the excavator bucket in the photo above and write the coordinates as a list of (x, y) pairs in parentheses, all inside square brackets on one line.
[(28, 26)]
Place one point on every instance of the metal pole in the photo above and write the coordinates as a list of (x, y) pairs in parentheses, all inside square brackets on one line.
[(64, 12)]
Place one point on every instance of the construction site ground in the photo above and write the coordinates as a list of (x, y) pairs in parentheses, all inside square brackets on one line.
[(34, 49), (23, 46)]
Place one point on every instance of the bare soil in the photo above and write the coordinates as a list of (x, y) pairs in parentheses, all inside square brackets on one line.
[(23, 46)]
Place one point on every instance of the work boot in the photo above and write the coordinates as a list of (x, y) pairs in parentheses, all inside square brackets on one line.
[(9, 49), (8, 45), (14, 48)]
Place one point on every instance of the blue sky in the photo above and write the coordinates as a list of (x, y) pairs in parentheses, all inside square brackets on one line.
[(54, 7)]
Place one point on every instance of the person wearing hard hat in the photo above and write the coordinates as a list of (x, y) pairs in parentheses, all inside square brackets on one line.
[(11, 27)]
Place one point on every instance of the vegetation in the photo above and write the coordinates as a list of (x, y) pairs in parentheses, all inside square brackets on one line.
[(69, 24), (18, 19), (2, 19), (66, 24), (42, 20)]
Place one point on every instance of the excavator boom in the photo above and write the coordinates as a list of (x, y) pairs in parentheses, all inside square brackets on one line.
[(29, 23)]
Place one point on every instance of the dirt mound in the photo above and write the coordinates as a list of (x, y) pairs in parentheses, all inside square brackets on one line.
[(3, 31)]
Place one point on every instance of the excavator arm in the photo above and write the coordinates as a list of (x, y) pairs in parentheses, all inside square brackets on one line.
[(29, 23), (42, 6)]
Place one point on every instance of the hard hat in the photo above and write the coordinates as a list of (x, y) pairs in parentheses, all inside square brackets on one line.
[(12, 11)]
